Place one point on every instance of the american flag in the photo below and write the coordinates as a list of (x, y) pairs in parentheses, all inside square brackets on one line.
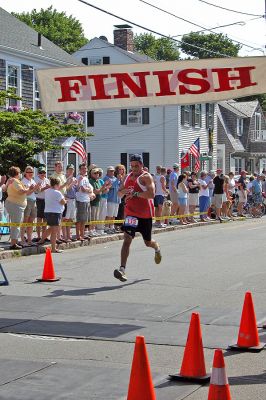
[(195, 151), (79, 146)]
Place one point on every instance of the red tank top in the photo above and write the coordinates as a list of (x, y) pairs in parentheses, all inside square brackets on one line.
[(137, 206)]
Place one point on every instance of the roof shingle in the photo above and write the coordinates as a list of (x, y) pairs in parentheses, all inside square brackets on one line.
[(18, 36)]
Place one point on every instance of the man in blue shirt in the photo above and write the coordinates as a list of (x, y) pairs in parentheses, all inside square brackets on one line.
[(113, 200), (257, 189), (173, 189)]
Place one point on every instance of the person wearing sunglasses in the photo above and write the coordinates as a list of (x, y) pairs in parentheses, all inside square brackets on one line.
[(30, 212), (40, 202), (16, 203)]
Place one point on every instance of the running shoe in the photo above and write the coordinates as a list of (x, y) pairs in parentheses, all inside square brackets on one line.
[(120, 275), (158, 256)]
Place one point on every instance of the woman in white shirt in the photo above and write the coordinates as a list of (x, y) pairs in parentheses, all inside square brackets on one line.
[(54, 207), (30, 212), (204, 198)]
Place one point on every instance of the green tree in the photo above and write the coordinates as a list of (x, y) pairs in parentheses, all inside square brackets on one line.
[(159, 49), (65, 31), (26, 133), (200, 45)]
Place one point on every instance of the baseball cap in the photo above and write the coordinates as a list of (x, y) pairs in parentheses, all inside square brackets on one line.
[(111, 168), (136, 157), (243, 172), (93, 170), (70, 166), (175, 165), (41, 169)]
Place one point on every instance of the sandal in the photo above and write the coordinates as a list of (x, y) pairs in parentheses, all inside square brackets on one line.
[(15, 247)]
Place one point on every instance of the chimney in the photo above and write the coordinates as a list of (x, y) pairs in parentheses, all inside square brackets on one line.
[(40, 40), (123, 37)]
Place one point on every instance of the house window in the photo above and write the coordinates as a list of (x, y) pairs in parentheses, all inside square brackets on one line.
[(72, 158), (37, 100), (84, 60), (197, 115), (96, 60), (185, 115), (221, 156), (209, 115), (135, 116), (257, 121), (252, 165), (127, 156), (238, 165), (106, 60), (239, 126), (13, 82)]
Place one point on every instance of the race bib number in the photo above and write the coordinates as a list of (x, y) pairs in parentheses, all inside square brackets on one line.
[(131, 222)]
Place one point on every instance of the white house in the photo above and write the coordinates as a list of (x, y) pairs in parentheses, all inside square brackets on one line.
[(160, 133), (22, 51)]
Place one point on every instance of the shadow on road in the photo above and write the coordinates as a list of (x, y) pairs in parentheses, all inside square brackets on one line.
[(91, 291), (70, 329), (259, 379)]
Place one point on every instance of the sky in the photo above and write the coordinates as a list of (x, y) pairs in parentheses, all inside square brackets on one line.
[(248, 29)]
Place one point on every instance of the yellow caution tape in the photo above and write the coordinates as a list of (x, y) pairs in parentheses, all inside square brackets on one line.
[(107, 222)]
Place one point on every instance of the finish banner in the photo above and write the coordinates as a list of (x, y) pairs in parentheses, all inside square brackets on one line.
[(147, 84)]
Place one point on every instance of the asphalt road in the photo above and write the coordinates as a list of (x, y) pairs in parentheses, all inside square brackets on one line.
[(74, 339)]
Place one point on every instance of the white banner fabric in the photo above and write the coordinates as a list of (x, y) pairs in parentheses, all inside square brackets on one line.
[(147, 84)]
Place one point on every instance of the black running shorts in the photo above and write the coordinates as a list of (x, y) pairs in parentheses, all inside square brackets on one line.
[(144, 228)]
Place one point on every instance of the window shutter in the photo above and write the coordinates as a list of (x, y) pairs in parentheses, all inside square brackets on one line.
[(207, 114), (145, 116), (106, 60), (85, 60), (90, 118), (124, 117), (193, 115), (88, 159), (182, 115), (123, 159), (146, 159)]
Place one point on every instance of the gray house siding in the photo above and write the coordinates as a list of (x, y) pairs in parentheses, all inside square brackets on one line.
[(27, 85), (223, 139), (248, 148), (257, 147), (2, 75)]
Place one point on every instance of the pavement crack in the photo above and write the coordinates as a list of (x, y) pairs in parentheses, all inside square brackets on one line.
[(28, 374)]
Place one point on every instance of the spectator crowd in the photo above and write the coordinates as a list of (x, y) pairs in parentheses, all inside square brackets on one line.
[(92, 195)]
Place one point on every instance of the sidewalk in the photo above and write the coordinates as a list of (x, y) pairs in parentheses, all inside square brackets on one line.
[(5, 253)]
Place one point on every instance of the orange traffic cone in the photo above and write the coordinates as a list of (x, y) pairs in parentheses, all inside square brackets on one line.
[(193, 364), (48, 274), (140, 383), (248, 337), (219, 388)]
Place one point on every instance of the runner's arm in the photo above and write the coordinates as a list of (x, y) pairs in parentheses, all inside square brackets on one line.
[(150, 192)]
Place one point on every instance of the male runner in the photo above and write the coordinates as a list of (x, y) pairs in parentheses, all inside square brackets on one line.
[(139, 189)]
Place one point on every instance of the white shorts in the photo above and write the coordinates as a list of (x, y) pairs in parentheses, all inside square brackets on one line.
[(242, 196), (193, 199), (71, 209), (112, 209)]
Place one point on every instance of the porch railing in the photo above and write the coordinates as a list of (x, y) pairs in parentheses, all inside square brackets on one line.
[(258, 136)]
